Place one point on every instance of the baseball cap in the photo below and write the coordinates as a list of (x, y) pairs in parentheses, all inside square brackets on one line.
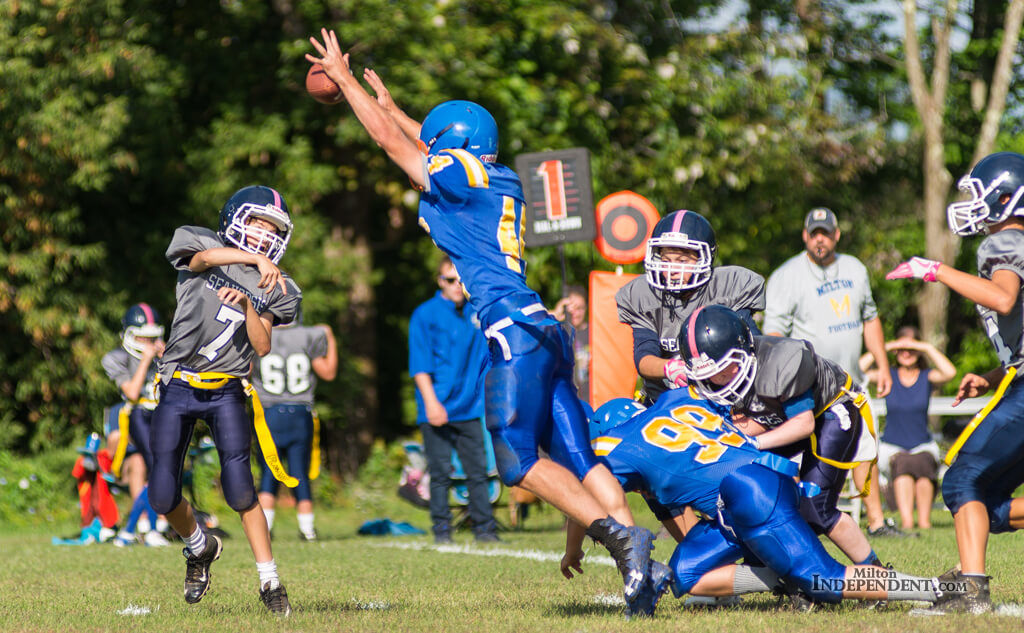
[(821, 218)]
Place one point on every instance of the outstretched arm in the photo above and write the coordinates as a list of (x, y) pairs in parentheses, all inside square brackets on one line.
[(999, 294), (382, 127), (409, 125)]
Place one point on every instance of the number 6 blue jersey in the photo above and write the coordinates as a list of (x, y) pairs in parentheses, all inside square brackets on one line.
[(677, 452), (474, 212)]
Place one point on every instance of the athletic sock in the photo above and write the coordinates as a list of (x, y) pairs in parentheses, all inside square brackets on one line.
[(753, 580), (270, 518), (196, 542), (872, 559), (306, 523), (906, 587), (268, 574)]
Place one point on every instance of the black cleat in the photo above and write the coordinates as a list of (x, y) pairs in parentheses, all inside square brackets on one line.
[(630, 548), (660, 577), (961, 594), (309, 538), (888, 528), (197, 569), (793, 598), (276, 600)]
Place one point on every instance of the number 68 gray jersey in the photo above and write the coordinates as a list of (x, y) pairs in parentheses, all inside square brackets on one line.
[(285, 375), (207, 335)]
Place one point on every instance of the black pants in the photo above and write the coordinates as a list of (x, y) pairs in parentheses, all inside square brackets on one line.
[(467, 438)]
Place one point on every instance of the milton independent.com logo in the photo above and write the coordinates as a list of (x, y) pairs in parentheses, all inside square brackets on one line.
[(879, 579)]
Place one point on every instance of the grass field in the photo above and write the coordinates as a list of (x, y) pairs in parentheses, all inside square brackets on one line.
[(347, 582)]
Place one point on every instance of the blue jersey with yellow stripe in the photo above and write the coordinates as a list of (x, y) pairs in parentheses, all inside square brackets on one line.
[(677, 452), (474, 212)]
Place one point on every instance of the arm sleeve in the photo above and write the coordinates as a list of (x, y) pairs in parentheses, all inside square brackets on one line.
[(451, 174), (187, 241), (868, 309), (283, 307), (798, 404), (625, 302), (116, 370), (778, 311), (645, 343), (749, 291), (421, 360), (318, 344)]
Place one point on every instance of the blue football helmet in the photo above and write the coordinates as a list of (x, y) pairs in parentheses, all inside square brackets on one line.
[(139, 321), (613, 413), (712, 340), (256, 202), (461, 125), (683, 230), (995, 185)]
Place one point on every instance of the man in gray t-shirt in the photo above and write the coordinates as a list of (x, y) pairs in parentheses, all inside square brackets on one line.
[(824, 297)]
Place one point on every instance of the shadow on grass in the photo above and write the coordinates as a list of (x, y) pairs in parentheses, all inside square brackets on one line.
[(577, 609)]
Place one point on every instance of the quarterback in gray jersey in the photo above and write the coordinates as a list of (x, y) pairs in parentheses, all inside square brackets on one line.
[(230, 292), (987, 460), (285, 379), (790, 401), (679, 279)]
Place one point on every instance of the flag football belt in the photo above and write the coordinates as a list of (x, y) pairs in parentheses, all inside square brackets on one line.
[(216, 380), (122, 439), (314, 453), (519, 316), (861, 401), (1004, 384)]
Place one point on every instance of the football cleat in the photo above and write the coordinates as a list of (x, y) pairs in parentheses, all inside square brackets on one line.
[(197, 569), (659, 579), (630, 548), (961, 594), (276, 600), (309, 538)]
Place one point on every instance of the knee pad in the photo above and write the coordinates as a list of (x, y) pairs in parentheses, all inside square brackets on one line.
[(999, 516), (959, 486), (500, 388), (705, 548), (819, 512), (163, 499)]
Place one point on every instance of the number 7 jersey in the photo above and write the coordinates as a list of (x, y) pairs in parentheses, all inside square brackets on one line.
[(474, 212), (207, 335)]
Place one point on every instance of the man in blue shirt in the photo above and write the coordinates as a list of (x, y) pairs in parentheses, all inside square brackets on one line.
[(447, 360)]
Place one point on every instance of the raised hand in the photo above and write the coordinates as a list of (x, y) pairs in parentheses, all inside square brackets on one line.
[(915, 268)]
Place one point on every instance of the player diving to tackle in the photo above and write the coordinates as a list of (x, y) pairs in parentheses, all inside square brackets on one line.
[(473, 207), (230, 292), (790, 401), (682, 452)]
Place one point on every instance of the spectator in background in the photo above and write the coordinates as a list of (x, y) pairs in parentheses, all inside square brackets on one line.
[(572, 308), (907, 451), (285, 379), (447, 360), (824, 297)]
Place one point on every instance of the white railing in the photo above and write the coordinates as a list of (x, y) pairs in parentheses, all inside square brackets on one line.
[(940, 405)]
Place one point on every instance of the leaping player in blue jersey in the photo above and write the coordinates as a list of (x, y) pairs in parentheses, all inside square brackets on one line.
[(682, 452), (472, 207)]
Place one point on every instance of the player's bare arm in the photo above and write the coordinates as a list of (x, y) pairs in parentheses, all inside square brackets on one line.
[(270, 274), (974, 385), (409, 125), (326, 367), (874, 341), (573, 558), (381, 126), (257, 326), (797, 428)]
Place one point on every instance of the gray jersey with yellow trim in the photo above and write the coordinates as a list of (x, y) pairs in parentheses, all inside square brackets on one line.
[(121, 366), (285, 375), (786, 368), (207, 335), (1004, 251), (665, 313)]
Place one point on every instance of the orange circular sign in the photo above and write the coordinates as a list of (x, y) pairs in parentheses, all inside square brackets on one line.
[(624, 223)]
